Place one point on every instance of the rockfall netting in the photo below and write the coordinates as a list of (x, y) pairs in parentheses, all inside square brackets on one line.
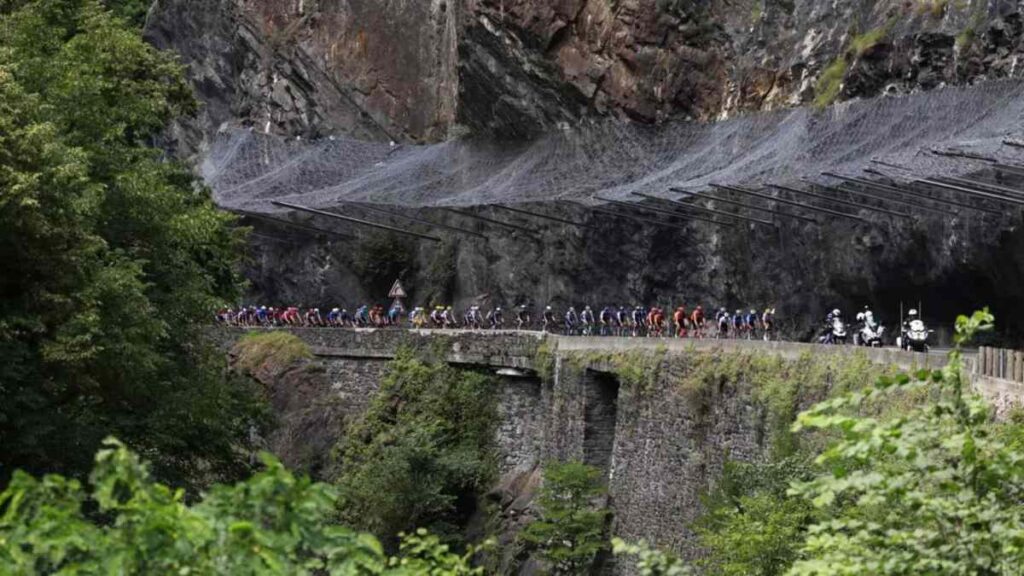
[(612, 159)]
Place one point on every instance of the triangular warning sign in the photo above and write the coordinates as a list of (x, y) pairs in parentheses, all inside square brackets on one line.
[(397, 291)]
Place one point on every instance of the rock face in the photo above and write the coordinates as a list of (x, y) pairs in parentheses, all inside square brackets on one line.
[(425, 70)]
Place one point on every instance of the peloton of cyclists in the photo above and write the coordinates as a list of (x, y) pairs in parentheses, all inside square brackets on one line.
[(623, 321)]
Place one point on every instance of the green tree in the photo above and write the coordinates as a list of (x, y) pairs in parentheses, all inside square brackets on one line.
[(933, 491), (570, 530), (273, 523), (423, 451), (752, 526), (111, 257)]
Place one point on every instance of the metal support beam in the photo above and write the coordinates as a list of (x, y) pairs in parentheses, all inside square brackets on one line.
[(305, 227), (353, 220), (638, 219), (710, 210), (990, 186), (419, 220), (771, 198), (956, 184), (741, 204), (638, 206), (914, 193), (542, 216), (839, 200), (490, 220), (877, 194)]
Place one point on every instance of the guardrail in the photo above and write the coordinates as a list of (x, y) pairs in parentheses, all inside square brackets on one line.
[(1000, 363)]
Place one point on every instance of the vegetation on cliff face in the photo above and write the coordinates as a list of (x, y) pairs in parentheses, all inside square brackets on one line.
[(422, 452), (273, 523), (110, 256)]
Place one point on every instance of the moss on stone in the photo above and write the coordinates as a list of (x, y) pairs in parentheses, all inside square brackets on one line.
[(830, 83), (269, 350)]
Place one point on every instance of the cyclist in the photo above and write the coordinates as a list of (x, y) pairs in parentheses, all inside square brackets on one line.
[(522, 318), (548, 319), (621, 321), (722, 320), (587, 320), (697, 321), (637, 321), (657, 321), (572, 320), (768, 323), (679, 319), (750, 324), (496, 319)]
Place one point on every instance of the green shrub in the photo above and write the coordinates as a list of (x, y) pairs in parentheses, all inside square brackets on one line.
[(570, 530), (273, 523), (275, 350), (422, 452)]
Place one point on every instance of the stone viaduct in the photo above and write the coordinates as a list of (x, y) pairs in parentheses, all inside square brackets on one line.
[(622, 404)]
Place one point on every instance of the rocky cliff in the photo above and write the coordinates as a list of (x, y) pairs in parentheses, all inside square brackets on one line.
[(426, 70)]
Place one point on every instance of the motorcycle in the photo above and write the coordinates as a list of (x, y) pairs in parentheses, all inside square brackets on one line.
[(915, 338), (868, 337), (836, 335)]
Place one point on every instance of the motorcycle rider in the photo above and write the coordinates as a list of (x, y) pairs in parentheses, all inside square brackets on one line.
[(911, 316), (828, 337)]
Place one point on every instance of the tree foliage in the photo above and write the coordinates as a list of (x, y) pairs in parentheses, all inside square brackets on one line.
[(272, 523), (422, 452), (752, 527), (110, 256), (570, 530)]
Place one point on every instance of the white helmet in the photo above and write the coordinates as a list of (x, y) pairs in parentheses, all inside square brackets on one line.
[(913, 312), (836, 312), (860, 315)]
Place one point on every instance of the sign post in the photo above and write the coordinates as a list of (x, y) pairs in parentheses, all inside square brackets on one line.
[(397, 309)]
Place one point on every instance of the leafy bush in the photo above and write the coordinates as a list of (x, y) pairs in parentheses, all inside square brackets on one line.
[(277, 349), (273, 523), (931, 492), (422, 452), (570, 531), (649, 561)]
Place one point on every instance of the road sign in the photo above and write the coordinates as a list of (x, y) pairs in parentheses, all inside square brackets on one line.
[(397, 291)]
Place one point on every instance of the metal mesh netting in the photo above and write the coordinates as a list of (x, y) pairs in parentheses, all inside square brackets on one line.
[(613, 159)]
